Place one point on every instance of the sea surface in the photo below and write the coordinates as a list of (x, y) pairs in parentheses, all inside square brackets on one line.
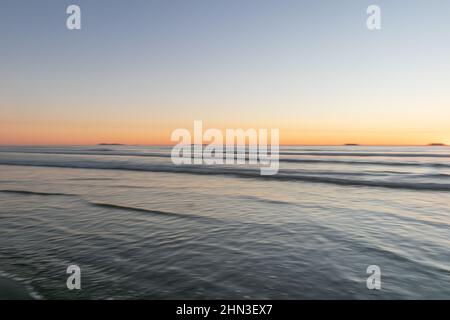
[(140, 227)]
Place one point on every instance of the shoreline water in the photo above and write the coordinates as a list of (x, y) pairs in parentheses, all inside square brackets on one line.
[(150, 234), (13, 290)]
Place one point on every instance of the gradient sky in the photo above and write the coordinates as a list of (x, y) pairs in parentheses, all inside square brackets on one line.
[(139, 69)]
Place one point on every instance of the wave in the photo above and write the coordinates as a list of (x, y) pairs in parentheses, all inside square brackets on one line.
[(92, 152), (104, 205), (365, 183), (113, 152), (91, 179), (236, 172), (35, 193), (265, 200), (27, 289), (107, 205), (368, 154), (282, 160), (364, 162), (142, 210)]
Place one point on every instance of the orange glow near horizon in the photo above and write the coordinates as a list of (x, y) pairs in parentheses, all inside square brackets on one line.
[(137, 133)]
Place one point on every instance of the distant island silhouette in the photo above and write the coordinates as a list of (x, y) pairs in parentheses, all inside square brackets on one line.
[(110, 144), (437, 144), (351, 144)]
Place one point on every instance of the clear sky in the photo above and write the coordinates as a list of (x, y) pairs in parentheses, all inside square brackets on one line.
[(137, 70)]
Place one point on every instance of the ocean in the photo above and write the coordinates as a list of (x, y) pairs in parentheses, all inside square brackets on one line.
[(140, 227)]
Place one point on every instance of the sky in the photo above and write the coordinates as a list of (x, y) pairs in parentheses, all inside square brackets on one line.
[(139, 69)]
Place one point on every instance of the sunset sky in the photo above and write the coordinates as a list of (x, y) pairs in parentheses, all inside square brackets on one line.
[(137, 70)]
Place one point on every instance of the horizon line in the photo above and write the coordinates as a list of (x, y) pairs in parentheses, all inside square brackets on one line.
[(281, 145)]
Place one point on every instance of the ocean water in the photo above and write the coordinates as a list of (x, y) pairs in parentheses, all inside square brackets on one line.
[(141, 228)]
